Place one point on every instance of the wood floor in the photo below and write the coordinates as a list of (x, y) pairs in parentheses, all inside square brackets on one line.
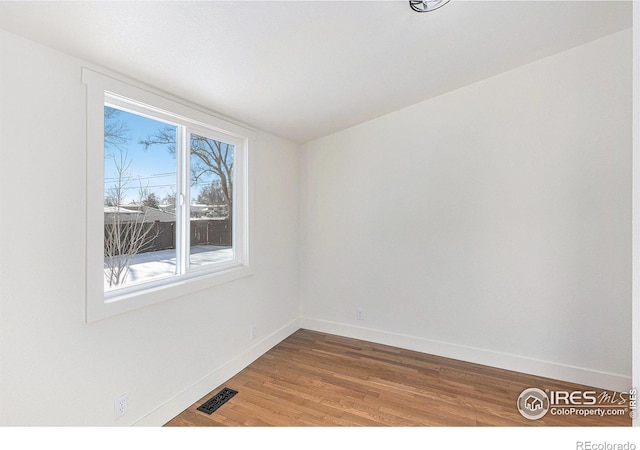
[(317, 379)]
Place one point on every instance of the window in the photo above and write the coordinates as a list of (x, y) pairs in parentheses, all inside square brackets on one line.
[(169, 214)]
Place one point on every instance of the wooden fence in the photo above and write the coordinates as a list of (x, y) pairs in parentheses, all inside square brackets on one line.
[(203, 232)]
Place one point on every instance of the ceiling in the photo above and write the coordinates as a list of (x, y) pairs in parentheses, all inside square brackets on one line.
[(303, 69)]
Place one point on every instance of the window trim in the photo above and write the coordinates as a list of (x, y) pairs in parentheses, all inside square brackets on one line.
[(102, 88)]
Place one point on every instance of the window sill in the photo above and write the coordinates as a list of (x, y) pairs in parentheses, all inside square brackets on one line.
[(121, 301)]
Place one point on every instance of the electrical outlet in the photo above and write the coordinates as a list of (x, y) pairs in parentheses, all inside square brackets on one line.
[(252, 331), (359, 313), (120, 405)]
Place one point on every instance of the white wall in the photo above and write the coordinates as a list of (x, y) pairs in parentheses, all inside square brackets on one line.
[(55, 368), (491, 224)]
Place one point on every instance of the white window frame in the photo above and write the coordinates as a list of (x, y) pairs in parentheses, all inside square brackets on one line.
[(130, 96)]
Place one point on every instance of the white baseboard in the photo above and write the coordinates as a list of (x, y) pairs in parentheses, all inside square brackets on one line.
[(602, 380), (188, 397)]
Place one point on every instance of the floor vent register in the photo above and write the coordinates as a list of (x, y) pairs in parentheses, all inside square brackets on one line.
[(217, 401)]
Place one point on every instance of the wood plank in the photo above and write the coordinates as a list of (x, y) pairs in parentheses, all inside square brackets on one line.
[(319, 379)]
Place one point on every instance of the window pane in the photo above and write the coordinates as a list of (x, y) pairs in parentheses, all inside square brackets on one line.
[(211, 201), (139, 199)]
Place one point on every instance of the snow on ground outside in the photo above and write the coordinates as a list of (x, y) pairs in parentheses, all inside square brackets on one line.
[(154, 265)]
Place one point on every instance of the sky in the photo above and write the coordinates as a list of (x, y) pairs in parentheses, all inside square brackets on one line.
[(153, 169)]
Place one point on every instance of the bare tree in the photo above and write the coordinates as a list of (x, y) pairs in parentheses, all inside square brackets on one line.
[(116, 132), (211, 194), (126, 232), (212, 157), (146, 198), (169, 199)]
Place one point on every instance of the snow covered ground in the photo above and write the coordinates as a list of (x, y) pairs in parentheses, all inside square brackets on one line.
[(154, 265)]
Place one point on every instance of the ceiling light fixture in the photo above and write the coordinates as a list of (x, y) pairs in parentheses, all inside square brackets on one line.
[(426, 5)]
